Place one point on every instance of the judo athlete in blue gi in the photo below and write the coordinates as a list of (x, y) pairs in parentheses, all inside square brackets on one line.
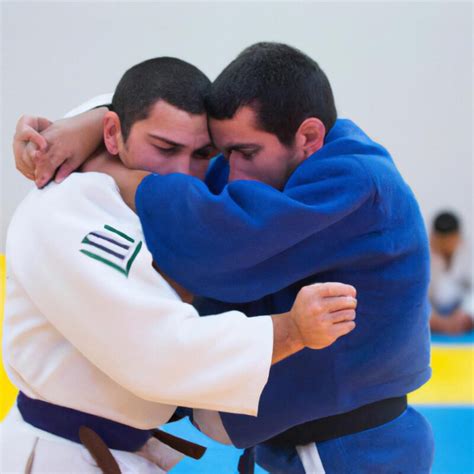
[(343, 213), (299, 196)]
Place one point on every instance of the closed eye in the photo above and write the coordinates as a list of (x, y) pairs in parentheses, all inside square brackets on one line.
[(246, 155), (247, 151), (167, 150)]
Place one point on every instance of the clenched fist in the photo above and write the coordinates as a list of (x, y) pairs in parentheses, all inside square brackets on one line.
[(323, 312)]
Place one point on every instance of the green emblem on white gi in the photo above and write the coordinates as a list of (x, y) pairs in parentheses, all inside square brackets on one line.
[(112, 247)]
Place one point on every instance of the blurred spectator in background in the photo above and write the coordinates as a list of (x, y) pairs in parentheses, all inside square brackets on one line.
[(451, 279)]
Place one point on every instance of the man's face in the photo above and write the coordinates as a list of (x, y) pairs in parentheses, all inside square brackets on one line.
[(169, 141), (253, 154), (447, 244)]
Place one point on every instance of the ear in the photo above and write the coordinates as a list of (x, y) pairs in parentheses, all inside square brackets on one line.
[(309, 137), (112, 133)]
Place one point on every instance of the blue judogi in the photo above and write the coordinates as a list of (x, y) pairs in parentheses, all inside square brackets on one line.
[(402, 446), (346, 215)]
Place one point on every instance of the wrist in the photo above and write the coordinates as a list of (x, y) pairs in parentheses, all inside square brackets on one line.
[(295, 337), (287, 339)]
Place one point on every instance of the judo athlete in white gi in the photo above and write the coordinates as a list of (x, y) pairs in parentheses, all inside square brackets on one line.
[(95, 337), (451, 289)]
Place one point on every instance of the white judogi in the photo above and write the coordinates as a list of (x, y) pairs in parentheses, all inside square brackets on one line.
[(97, 101), (90, 325), (451, 286)]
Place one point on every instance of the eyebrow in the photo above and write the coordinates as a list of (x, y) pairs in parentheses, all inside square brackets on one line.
[(242, 146), (171, 142), (167, 140)]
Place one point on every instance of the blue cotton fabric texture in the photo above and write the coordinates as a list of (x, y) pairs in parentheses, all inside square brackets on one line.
[(345, 215), (403, 446)]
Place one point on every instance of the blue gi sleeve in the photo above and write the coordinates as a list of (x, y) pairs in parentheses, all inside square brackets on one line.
[(250, 239)]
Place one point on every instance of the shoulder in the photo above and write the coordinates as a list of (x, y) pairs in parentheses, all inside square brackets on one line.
[(339, 172), (353, 143), (81, 225), (79, 188), (83, 203), (98, 101), (78, 193), (355, 149)]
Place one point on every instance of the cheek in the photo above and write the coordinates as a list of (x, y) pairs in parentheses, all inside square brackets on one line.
[(276, 170), (271, 169), (145, 159), (242, 169), (267, 171), (199, 168)]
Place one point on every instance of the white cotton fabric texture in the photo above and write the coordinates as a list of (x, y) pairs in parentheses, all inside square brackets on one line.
[(24, 445), (80, 334)]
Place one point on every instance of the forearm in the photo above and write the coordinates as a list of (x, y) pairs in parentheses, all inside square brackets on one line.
[(90, 126), (286, 337), (234, 246)]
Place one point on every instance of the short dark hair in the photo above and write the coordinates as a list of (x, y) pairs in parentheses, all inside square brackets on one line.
[(170, 79), (446, 223), (282, 84)]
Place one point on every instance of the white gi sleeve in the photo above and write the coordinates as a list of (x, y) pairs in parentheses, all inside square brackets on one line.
[(121, 314), (103, 99)]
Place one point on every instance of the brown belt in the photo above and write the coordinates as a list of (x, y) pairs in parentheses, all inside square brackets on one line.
[(106, 461)]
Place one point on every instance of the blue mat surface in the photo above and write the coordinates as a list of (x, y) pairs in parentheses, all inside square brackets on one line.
[(219, 459), (454, 438), (464, 339)]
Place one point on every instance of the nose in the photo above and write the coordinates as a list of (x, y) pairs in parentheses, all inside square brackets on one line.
[(233, 171), (182, 164), (238, 176), (233, 176), (237, 170), (199, 168)]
